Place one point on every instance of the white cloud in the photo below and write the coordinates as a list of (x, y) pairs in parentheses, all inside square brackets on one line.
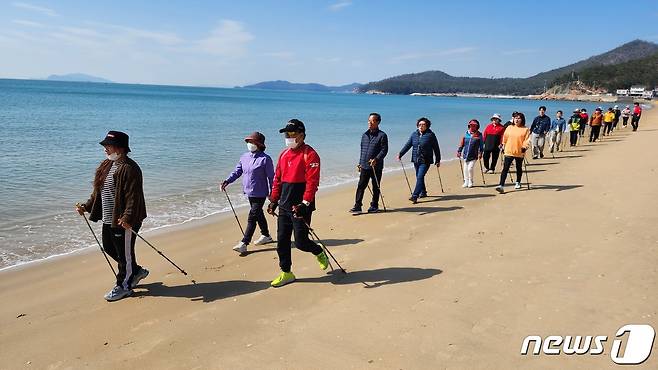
[(285, 55), (35, 8), (23, 22), (329, 60), (457, 51), (228, 39), (340, 5), (519, 51)]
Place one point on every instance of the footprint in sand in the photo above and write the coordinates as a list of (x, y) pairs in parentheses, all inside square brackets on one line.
[(145, 323)]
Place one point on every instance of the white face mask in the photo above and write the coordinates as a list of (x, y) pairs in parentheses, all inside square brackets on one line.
[(291, 143), (252, 147), (113, 156)]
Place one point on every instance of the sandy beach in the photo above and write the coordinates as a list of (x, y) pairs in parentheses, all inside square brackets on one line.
[(454, 282)]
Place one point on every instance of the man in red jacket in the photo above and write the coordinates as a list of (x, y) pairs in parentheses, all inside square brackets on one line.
[(296, 181)]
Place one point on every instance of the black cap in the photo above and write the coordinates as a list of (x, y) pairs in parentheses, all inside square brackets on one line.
[(116, 138), (294, 125)]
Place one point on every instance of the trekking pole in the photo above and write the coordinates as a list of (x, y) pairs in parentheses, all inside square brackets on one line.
[(406, 178), (461, 166), (234, 214), (99, 244), (324, 247), (160, 253), (525, 164), (381, 195), (482, 171), (440, 181), (358, 169)]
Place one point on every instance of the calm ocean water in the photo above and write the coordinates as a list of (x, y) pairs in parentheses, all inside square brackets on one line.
[(186, 140)]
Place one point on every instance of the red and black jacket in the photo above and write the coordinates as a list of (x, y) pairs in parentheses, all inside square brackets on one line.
[(297, 177)]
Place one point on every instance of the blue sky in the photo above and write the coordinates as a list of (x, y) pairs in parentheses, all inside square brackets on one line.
[(228, 43)]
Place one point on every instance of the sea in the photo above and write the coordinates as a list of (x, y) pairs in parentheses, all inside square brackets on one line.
[(187, 140)]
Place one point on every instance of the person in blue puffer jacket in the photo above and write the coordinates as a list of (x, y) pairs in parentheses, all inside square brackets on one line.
[(425, 146), (470, 149)]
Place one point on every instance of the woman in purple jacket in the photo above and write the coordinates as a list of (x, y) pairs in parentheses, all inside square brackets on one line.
[(258, 171)]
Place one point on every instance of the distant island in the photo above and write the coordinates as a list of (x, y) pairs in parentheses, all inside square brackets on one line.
[(77, 77), (291, 86)]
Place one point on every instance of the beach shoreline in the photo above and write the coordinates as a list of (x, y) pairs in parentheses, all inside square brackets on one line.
[(455, 281)]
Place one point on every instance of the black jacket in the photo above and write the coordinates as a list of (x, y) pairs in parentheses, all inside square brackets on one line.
[(374, 145)]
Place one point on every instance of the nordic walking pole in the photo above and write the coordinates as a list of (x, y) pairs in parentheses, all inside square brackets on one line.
[(233, 209), (440, 181), (312, 232), (405, 177), (160, 253), (99, 244), (461, 166), (482, 171), (358, 169), (525, 164), (381, 195)]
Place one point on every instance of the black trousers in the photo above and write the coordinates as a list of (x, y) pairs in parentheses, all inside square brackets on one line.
[(287, 224), (256, 216), (507, 163), (365, 177), (625, 121), (119, 244), (573, 138), (493, 154), (614, 123), (607, 128), (635, 122), (594, 133), (582, 129)]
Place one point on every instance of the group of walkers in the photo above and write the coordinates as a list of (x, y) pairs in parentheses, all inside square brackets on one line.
[(117, 197)]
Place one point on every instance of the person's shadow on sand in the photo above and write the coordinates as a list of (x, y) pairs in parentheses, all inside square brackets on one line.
[(209, 292), (206, 292), (375, 278)]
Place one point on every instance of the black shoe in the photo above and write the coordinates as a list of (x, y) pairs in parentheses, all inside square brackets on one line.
[(373, 209), (355, 210), (541, 155), (413, 200), (423, 195)]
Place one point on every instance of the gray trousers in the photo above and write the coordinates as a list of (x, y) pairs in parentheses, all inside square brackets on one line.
[(538, 142)]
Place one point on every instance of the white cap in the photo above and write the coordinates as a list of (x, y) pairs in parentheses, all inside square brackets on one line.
[(496, 115)]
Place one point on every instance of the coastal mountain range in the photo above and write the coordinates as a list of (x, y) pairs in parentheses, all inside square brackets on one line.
[(290, 86), (441, 82), (77, 77)]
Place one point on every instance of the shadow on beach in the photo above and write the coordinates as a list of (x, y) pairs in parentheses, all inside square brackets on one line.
[(327, 242), (206, 292), (375, 278), (424, 210), (209, 292)]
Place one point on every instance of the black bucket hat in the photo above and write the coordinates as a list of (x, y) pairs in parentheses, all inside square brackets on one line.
[(116, 138)]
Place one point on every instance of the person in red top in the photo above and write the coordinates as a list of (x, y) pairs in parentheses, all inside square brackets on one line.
[(637, 112), (584, 118), (493, 137), (296, 181)]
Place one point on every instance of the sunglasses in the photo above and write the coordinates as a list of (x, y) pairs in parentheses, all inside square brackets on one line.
[(291, 134)]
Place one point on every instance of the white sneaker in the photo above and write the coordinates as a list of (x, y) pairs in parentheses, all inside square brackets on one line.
[(500, 189), (517, 185), (263, 240), (117, 293), (465, 184), (470, 184), (240, 247), (490, 171)]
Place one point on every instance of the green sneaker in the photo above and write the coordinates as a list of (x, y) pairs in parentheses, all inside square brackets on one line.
[(323, 260), (283, 279)]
